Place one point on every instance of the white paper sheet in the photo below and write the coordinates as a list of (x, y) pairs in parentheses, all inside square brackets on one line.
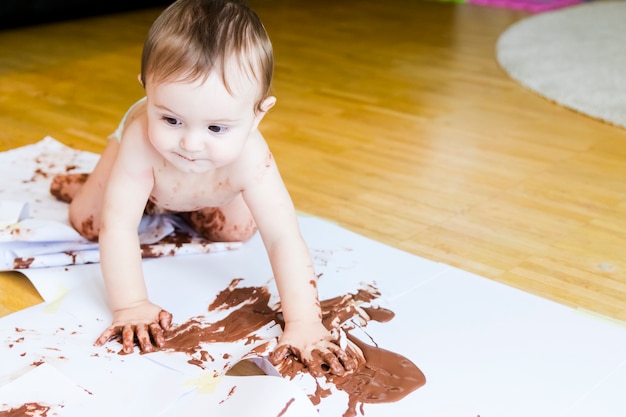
[(486, 349), (46, 387)]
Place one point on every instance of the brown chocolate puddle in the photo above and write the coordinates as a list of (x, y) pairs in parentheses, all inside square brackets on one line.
[(382, 376)]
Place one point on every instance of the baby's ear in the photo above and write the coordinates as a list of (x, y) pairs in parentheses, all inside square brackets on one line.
[(139, 79), (267, 104), (262, 110)]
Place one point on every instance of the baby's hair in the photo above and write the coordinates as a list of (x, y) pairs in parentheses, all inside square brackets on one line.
[(193, 38)]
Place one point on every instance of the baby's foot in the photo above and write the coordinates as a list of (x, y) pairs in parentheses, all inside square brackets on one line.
[(65, 186)]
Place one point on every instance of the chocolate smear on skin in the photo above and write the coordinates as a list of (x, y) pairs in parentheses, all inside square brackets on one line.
[(27, 410), (207, 222), (382, 376), (65, 187), (87, 229)]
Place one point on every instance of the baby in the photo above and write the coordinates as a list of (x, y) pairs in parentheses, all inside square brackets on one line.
[(193, 146)]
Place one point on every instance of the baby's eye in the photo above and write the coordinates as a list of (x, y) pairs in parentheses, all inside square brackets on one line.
[(171, 121), (217, 128)]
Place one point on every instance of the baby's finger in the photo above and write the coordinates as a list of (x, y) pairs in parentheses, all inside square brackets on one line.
[(143, 337), (320, 363), (165, 319), (157, 334), (106, 335), (128, 338), (348, 362), (333, 364), (280, 354)]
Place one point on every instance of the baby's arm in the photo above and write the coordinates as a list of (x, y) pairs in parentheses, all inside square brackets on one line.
[(304, 334), (127, 191)]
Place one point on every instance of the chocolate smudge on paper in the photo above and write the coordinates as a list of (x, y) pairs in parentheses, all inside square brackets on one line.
[(253, 314), (284, 410), (381, 377), (230, 394), (42, 353), (37, 175), (22, 263), (175, 242), (27, 410)]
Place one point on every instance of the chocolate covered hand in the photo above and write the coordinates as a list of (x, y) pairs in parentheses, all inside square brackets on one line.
[(144, 323), (315, 347)]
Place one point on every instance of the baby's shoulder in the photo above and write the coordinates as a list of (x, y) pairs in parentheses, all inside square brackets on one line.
[(254, 159), (135, 125), (255, 151), (134, 139), (135, 118)]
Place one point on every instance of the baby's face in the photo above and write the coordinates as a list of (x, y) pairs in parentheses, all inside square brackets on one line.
[(199, 126)]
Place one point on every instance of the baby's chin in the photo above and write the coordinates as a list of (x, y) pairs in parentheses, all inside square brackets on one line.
[(192, 166), (197, 169)]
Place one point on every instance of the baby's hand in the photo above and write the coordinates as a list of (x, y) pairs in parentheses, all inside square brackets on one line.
[(145, 323), (316, 348)]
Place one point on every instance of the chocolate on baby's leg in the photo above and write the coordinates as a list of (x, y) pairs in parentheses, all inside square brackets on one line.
[(208, 222), (65, 186), (213, 225)]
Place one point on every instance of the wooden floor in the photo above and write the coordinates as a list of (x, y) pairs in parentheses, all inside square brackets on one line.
[(393, 120)]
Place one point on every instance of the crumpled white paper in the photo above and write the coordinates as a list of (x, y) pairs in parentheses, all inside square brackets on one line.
[(12, 212)]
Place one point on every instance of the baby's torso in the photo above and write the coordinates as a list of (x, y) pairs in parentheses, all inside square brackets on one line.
[(176, 192)]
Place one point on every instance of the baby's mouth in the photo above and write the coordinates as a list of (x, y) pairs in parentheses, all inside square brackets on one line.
[(186, 158)]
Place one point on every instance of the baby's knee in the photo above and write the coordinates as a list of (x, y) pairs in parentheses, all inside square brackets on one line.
[(84, 223), (230, 232), (240, 232), (213, 225)]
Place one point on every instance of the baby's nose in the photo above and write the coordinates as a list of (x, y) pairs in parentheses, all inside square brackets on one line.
[(192, 142)]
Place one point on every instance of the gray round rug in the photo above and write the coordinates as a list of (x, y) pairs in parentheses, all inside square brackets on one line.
[(574, 56)]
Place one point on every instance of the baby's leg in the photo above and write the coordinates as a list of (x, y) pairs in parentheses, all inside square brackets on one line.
[(86, 204), (230, 223)]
